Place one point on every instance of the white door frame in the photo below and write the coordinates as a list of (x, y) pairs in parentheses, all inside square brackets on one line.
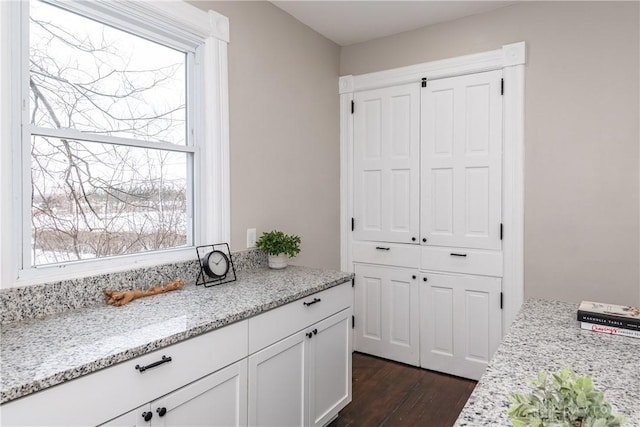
[(511, 59)]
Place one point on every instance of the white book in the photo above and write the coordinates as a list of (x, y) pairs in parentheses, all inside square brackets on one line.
[(610, 330)]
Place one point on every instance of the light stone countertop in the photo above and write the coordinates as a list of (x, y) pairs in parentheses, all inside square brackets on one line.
[(36, 354), (547, 336)]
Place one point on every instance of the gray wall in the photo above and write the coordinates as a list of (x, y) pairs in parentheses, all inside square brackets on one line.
[(581, 134), (284, 130)]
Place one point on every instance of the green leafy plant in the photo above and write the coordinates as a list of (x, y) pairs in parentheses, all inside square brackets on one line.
[(277, 242), (562, 399)]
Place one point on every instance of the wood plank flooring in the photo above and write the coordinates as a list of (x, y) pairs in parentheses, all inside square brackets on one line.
[(387, 393)]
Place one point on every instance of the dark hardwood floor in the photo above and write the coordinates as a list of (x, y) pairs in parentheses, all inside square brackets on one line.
[(387, 393)]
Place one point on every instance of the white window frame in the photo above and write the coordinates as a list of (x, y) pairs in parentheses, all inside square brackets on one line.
[(175, 24)]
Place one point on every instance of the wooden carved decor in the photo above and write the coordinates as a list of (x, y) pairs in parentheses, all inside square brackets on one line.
[(122, 298)]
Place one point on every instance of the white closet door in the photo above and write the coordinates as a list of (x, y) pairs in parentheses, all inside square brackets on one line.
[(460, 323), (386, 313), (386, 164), (461, 148)]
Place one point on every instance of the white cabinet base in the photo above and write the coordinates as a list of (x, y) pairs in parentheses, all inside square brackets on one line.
[(304, 379)]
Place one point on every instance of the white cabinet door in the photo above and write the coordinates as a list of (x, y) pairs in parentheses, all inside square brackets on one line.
[(386, 164), (386, 312), (330, 367), (278, 383), (460, 323), (461, 151), (219, 399)]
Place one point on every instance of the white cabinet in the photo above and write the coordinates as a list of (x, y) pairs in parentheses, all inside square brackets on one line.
[(461, 161), (460, 324), (428, 157), (387, 321), (330, 368), (288, 366), (219, 399), (103, 395), (304, 378), (276, 399), (386, 164)]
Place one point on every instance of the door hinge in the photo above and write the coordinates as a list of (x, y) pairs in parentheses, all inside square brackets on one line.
[(501, 231), (353, 107), (353, 224), (501, 300), (353, 322), (501, 86), (424, 82)]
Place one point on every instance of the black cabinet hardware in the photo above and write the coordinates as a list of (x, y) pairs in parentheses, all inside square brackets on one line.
[(413, 277), (413, 239), (455, 254), (164, 359), (382, 248), (161, 411), (315, 332), (309, 335), (424, 240), (315, 300), (424, 279), (147, 416)]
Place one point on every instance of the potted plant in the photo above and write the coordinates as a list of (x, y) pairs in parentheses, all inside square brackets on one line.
[(278, 246), (562, 399)]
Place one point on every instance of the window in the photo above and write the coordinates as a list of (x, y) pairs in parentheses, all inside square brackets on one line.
[(114, 151)]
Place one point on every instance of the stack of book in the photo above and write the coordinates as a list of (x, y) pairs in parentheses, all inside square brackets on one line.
[(609, 318)]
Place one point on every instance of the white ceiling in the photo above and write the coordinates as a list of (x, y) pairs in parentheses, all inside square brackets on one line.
[(349, 22)]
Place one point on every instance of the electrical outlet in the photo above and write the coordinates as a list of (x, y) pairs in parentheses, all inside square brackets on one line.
[(251, 238)]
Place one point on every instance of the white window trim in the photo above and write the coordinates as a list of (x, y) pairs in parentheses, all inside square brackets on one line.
[(210, 31)]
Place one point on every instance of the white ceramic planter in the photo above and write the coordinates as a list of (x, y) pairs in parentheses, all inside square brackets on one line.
[(277, 262)]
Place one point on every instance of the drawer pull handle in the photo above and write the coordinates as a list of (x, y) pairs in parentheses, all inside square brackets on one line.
[(382, 248), (164, 359), (315, 332), (455, 254), (161, 411), (315, 300), (309, 335), (147, 416)]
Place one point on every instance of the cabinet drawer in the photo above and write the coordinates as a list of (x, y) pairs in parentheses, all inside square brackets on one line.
[(387, 254), (274, 325), (102, 395), (459, 260)]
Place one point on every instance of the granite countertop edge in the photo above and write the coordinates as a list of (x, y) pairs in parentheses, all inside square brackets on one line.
[(11, 393)]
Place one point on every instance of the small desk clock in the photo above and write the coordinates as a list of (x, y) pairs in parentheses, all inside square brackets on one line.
[(216, 265)]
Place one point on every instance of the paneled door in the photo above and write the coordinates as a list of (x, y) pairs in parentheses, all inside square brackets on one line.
[(461, 161), (460, 323), (330, 367), (387, 318), (276, 399), (219, 399), (386, 164)]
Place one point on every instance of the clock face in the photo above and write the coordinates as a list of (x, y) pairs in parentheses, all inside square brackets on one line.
[(215, 264)]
